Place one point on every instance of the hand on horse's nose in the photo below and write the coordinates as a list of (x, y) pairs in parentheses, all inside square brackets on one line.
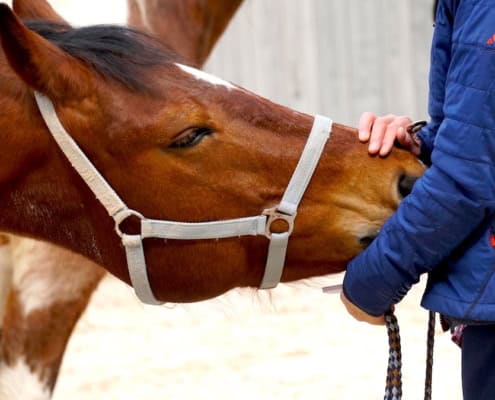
[(406, 183)]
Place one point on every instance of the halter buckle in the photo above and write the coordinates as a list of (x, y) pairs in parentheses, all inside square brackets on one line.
[(274, 214)]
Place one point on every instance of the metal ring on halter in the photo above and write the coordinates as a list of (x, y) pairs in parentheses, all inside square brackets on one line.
[(121, 216), (273, 215)]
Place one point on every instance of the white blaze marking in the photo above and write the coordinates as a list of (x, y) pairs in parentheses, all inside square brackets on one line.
[(20, 383), (44, 274), (204, 76)]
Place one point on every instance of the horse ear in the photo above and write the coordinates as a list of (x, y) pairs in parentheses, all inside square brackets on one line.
[(36, 9), (42, 65)]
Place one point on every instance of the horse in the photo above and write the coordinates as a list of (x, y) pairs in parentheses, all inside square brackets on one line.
[(193, 32), (52, 284), (148, 122)]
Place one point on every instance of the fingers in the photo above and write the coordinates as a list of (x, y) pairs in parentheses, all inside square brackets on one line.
[(359, 314), (365, 124), (382, 132), (395, 130), (378, 133)]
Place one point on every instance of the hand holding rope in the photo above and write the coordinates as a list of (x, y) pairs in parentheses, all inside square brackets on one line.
[(393, 388)]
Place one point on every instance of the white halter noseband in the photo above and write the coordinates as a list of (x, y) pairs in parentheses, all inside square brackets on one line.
[(258, 225)]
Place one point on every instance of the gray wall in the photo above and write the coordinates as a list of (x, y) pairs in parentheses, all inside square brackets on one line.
[(336, 57)]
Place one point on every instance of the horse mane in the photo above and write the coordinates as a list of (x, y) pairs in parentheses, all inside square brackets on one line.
[(115, 52)]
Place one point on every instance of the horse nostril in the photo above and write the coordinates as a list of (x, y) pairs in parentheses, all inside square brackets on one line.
[(366, 240), (406, 183)]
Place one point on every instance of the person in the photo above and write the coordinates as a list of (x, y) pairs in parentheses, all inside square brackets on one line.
[(446, 226)]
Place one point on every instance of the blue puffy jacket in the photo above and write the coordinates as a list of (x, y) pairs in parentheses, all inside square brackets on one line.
[(446, 226)]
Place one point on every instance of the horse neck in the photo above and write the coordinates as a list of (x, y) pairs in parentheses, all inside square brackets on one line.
[(40, 195), (190, 27), (58, 210)]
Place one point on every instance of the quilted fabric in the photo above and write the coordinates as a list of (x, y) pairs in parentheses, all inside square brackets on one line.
[(446, 226)]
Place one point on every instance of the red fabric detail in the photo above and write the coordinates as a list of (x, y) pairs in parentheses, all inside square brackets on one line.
[(457, 335)]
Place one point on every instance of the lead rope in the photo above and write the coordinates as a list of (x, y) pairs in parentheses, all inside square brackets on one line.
[(393, 387), (429, 354)]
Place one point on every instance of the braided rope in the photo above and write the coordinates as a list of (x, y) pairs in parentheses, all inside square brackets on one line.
[(429, 355), (393, 388)]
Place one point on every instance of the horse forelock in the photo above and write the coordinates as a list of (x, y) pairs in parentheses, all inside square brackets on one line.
[(117, 53)]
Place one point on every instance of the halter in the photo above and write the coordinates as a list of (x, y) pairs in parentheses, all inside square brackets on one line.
[(161, 229)]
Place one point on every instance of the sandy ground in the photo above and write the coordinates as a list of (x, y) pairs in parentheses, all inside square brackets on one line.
[(293, 343)]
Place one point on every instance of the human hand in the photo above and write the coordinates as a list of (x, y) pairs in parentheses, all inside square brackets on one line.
[(383, 132), (359, 314)]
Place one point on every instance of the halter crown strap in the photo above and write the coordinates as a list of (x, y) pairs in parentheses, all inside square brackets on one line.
[(257, 225)]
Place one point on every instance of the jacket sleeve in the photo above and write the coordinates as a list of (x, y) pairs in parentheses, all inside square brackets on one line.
[(457, 193)]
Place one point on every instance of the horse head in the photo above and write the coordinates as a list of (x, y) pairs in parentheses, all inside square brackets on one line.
[(175, 144)]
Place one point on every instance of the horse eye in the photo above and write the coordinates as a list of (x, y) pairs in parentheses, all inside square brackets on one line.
[(190, 137)]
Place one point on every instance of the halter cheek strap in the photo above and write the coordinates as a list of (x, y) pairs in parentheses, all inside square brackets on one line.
[(287, 209), (253, 226)]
